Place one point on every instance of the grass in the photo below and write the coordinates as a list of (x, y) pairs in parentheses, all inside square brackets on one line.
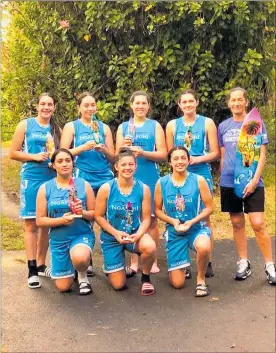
[(6, 144), (10, 177), (12, 234), (12, 230)]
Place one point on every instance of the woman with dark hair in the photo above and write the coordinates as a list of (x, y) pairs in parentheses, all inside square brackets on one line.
[(199, 135), (33, 142), (123, 208), (177, 203), (92, 148), (146, 138), (66, 206)]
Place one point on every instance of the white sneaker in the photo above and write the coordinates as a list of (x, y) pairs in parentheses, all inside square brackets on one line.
[(243, 270), (270, 273)]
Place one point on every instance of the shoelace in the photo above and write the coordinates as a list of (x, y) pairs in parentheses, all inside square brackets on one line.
[(242, 265)]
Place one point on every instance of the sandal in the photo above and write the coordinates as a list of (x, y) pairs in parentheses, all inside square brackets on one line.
[(85, 288), (130, 272), (147, 289), (202, 288), (34, 282)]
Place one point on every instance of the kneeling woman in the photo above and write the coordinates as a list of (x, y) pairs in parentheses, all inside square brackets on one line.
[(66, 205), (181, 193), (123, 211)]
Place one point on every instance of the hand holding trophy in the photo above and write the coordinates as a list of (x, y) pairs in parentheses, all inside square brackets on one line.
[(75, 204)]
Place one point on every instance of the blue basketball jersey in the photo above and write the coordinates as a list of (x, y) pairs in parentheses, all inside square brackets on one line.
[(193, 137), (191, 195), (35, 142), (117, 203), (147, 171), (58, 204), (92, 162)]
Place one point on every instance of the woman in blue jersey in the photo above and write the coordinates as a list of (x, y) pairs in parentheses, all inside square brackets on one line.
[(181, 194), (29, 146), (123, 209), (146, 138), (199, 135), (93, 146), (71, 234)]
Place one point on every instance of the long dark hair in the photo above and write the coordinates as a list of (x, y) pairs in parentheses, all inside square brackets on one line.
[(55, 130), (124, 152)]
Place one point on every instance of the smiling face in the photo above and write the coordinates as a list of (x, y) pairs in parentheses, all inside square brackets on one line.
[(87, 107), (140, 106), (237, 103), (188, 104), (45, 107), (179, 161), (63, 164), (126, 167)]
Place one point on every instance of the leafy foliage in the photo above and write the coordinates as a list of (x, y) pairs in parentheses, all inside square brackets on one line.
[(114, 48)]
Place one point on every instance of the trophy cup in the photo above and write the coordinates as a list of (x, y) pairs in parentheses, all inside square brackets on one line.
[(73, 198), (95, 129), (127, 221), (180, 207), (131, 130), (50, 146)]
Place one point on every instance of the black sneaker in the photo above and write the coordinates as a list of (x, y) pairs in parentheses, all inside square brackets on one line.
[(271, 274), (188, 272), (209, 271), (244, 270)]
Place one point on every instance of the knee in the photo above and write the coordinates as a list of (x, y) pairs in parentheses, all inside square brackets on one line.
[(258, 226), (63, 285), (81, 262), (204, 247), (118, 285), (238, 225), (177, 283), (149, 248)]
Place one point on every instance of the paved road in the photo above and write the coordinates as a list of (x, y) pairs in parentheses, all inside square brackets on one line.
[(236, 317)]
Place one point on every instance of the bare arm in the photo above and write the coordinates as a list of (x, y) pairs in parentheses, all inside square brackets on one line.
[(211, 134), (119, 138), (100, 210), (206, 197), (170, 134), (67, 138), (42, 220), (90, 203), (161, 149), (17, 143), (109, 145)]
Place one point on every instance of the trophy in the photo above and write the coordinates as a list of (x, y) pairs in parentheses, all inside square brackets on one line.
[(131, 130), (127, 221), (188, 138), (73, 197), (50, 146), (180, 207), (95, 129)]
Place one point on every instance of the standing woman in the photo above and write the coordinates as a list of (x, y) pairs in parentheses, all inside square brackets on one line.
[(177, 202), (199, 135), (123, 208), (254, 193), (66, 206), (146, 138), (29, 143), (92, 146)]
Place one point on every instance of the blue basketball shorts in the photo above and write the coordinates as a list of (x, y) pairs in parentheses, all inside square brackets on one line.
[(177, 247), (114, 253), (61, 263), (28, 193)]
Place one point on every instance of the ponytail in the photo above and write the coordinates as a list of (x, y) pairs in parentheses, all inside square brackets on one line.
[(55, 132)]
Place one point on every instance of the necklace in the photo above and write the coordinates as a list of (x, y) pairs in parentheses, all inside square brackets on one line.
[(177, 184), (121, 192)]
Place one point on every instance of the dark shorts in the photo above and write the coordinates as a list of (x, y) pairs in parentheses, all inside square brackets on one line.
[(232, 204)]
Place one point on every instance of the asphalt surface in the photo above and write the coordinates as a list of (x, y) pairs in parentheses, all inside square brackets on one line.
[(236, 317)]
